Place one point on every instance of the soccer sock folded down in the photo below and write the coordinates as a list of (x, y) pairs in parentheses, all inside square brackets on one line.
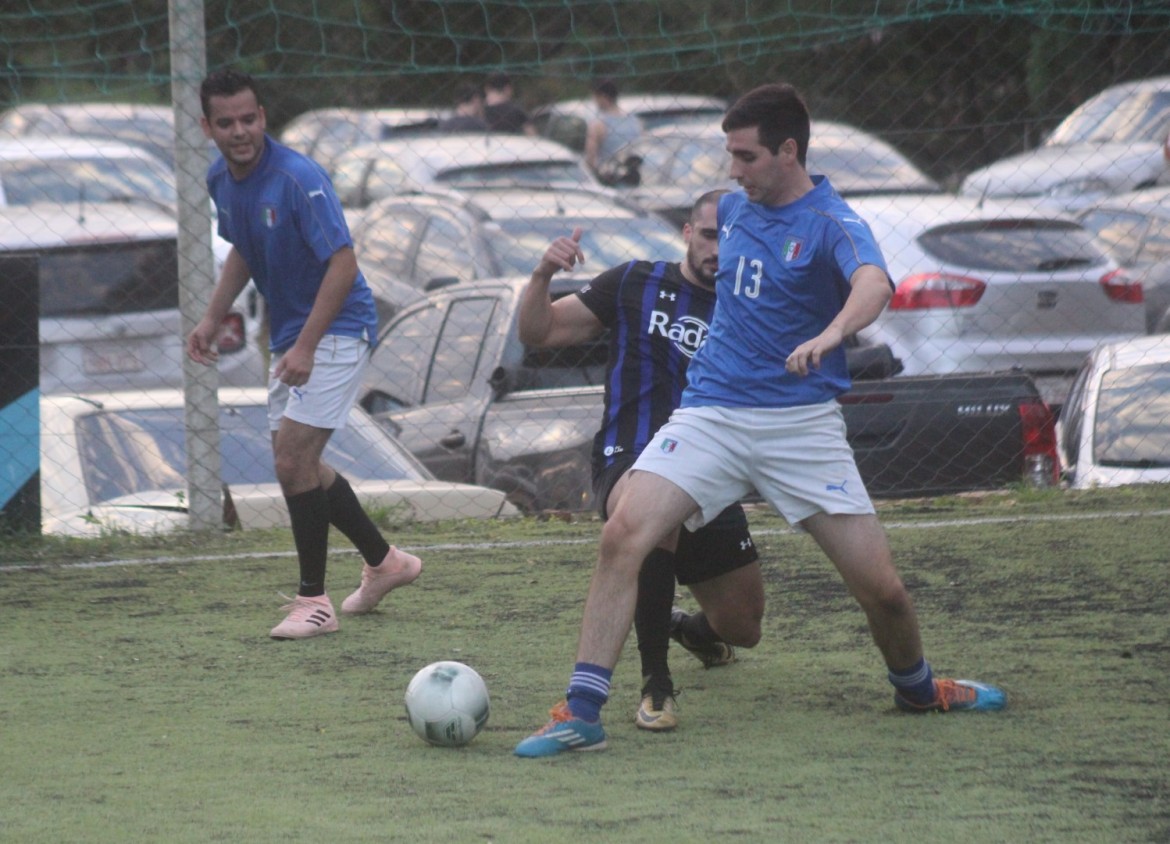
[(588, 690), (915, 683)]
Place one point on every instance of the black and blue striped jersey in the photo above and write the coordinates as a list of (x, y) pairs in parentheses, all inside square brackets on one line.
[(657, 321)]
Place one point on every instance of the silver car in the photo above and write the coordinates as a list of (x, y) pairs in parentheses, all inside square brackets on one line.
[(371, 172), (1112, 143), (1114, 428), (989, 286), (107, 279), (81, 170), (117, 462)]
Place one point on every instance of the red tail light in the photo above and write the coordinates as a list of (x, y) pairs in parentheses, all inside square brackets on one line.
[(936, 290), (1041, 461), (233, 335), (1121, 288)]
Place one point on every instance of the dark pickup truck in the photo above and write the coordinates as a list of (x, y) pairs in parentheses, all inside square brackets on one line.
[(451, 379)]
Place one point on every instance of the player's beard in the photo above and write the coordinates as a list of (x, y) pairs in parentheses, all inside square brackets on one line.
[(704, 274)]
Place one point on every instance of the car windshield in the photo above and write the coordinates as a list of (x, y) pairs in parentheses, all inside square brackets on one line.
[(1132, 409), (606, 242), (1014, 245), (132, 451), (1116, 116), (108, 278), (85, 179), (520, 173)]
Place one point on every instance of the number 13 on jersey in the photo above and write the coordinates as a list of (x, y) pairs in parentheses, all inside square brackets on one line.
[(756, 269)]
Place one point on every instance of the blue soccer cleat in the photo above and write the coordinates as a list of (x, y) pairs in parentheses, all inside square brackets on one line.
[(564, 732), (958, 696)]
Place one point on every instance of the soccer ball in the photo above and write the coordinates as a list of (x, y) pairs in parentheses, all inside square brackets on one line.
[(447, 704)]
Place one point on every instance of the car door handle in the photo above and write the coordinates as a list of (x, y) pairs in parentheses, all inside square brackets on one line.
[(453, 440)]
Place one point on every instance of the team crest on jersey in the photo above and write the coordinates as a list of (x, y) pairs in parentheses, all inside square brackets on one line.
[(792, 248), (669, 446), (268, 213)]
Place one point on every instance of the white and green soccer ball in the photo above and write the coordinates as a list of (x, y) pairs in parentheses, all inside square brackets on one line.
[(447, 703)]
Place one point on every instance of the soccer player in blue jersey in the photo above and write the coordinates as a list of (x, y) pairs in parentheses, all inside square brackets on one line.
[(799, 272), (279, 211), (658, 313)]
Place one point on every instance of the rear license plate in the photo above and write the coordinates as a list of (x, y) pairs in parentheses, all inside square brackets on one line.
[(111, 360)]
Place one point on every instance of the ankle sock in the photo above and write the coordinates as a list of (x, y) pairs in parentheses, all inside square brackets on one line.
[(588, 690), (915, 683)]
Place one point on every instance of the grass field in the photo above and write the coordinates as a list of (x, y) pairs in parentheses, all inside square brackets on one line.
[(141, 700)]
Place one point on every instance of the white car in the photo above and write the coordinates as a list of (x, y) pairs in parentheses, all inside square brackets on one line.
[(1114, 428), (117, 462), (107, 279), (371, 172), (1112, 143), (145, 125), (324, 133), (985, 286), (567, 121), (668, 168)]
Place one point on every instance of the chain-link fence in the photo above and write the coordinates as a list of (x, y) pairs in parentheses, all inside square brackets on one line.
[(1008, 157)]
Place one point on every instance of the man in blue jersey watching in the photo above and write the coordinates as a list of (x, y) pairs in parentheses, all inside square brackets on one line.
[(658, 313), (279, 211), (799, 272)]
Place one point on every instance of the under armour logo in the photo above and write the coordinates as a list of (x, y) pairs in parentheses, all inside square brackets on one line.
[(837, 487), (666, 294), (745, 544)]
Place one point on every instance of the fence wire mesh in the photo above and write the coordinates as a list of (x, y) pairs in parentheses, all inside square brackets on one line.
[(1008, 155)]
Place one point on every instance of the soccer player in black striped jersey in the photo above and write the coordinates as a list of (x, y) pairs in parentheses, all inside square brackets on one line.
[(658, 313)]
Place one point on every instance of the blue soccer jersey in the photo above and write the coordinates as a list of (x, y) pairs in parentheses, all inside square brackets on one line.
[(783, 276), (286, 222)]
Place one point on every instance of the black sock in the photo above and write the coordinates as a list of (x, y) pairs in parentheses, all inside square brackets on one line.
[(308, 512), (697, 631), (346, 514), (652, 612)]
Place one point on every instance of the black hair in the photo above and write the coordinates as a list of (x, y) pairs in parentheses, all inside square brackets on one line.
[(711, 196), (607, 88), (778, 112), (497, 81), (225, 83)]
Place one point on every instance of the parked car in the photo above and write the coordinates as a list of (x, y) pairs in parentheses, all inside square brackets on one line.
[(430, 239), (151, 127), (324, 133), (81, 170), (107, 279), (985, 286), (452, 381), (1135, 227), (566, 121), (117, 462), (371, 172), (1113, 142), (1114, 428), (667, 168)]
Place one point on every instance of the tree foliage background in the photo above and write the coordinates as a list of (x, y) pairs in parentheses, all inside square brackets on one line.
[(954, 84)]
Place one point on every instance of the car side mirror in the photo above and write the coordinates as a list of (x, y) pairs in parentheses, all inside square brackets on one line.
[(501, 382), (871, 363)]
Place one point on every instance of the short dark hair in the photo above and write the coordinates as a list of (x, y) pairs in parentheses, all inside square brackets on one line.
[(497, 81), (711, 196), (607, 88), (777, 111), (225, 83)]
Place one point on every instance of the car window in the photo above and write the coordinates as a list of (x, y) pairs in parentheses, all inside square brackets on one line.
[(401, 361), (1132, 408), (385, 178), (567, 130), (460, 347), (1157, 244), (84, 179), (349, 179), (131, 451), (527, 172), (1014, 245), (388, 240), (1122, 231), (1072, 414), (444, 252), (109, 278)]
